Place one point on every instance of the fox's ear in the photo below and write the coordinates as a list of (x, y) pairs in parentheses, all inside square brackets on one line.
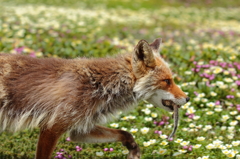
[(156, 46), (143, 57)]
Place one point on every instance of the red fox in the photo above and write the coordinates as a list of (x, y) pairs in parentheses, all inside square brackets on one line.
[(79, 95)]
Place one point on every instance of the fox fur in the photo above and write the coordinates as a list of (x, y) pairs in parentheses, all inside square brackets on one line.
[(77, 95)]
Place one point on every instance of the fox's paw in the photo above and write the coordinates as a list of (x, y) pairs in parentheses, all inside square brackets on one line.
[(134, 153)]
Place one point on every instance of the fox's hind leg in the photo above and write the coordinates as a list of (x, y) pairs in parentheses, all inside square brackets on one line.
[(102, 134), (47, 141)]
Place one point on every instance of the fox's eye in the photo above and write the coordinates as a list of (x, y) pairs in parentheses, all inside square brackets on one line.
[(168, 81)]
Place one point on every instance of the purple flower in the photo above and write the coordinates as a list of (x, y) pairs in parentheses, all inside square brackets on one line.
[(238, 83), (68, 139), (78, 148), (190, 149), (105, 149), (32, 54), (170, 139), (185, 147), (196, 93), (159, 132), (161, 123), (217, 102), (229, 96), (111, 149), (191, 116), (19, 50)]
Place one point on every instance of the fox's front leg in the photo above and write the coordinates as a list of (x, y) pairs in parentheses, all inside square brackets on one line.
[(102, 134)]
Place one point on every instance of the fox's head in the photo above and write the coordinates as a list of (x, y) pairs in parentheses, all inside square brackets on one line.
[(154, 77)]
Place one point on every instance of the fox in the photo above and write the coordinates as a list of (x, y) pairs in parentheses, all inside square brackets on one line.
[(80, 95)]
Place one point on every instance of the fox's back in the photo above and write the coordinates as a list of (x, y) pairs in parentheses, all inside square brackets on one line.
[(30, 90)]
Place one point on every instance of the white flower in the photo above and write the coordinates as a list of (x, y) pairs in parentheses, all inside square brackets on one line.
[(124, 118), (154, 115), (233, 112), (146, 144), (209, 112), (236, 143), (99, 153), (182, 151), (144, 130), (191, 110), (133, 130), (228, 146), (210, 104), (149, 105), (217, 143), (210, 146), (201, 138), (218, 109), (114, 125), (188, 72), (177, 153), (185, 143), (213, 94), (222, 147), (178, 140), (201, 95), (163, 136), (148, 119), (125, 152), (164, 143), (233, 123), (146, 111), (162, 151), (124, 129), (216, 69), (152, 141), (238, 117), (208, 127), (131, 117), (196, 117), (225, 117), (197, 146), (228, 80)]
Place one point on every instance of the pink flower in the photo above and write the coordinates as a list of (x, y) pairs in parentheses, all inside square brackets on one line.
[(68, 139), (105, 149)]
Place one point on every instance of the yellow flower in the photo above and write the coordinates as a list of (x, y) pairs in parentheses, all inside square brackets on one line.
[(164, 143)]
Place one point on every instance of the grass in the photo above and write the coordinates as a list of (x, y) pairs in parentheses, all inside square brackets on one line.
[(200, 41)]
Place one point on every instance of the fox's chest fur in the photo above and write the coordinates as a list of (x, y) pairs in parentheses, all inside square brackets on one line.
[(76, 93)]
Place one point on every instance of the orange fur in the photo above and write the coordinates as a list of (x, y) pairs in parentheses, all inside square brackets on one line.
[(77, 95)]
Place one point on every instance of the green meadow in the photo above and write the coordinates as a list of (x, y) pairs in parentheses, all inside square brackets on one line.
[(201, 42)]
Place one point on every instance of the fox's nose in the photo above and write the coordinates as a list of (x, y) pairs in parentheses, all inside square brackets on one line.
[(187, 99)]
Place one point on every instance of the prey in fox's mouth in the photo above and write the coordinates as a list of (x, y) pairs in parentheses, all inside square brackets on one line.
[(170, 104)]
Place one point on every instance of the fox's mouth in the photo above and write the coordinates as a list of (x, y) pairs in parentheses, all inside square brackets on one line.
[(169, 104)]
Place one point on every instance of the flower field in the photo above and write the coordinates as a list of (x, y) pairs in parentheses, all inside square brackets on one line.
[(201, 42)]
